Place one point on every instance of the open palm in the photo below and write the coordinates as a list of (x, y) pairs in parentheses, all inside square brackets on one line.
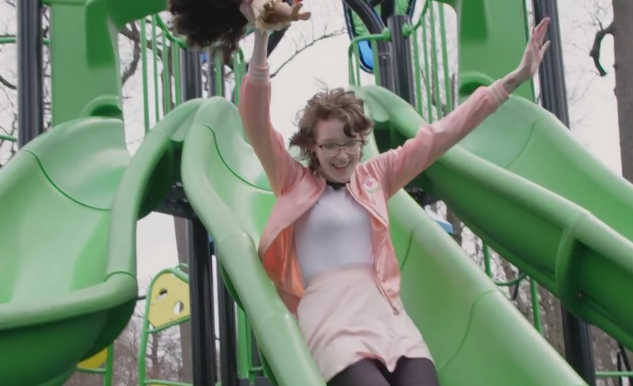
[(534, 51)]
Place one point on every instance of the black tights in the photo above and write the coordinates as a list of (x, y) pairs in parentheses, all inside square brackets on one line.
[(371, 372)]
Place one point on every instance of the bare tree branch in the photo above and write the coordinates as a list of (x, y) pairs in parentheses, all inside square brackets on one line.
[(7, 84), (305, 47), (136, 56), (595, 48)]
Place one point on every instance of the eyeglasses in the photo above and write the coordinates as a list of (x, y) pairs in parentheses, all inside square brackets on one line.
[(351, 148)]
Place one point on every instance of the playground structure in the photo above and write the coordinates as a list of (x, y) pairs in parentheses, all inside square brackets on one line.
[(520, 182)]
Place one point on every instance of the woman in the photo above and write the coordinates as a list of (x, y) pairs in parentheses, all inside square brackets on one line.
[(326, 246)]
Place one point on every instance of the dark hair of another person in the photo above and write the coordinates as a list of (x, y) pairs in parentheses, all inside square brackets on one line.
[(218, 24)]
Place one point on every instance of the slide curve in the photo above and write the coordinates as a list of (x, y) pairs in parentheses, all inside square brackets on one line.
[(63, 297), (524, 185), (476, 335), (69, 203)]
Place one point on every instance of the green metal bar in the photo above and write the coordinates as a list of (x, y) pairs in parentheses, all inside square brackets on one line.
[(218, 68), (512, 282), (92, 371), (487, 265), (614, 374), (427, 74), (353, 66), (12, 39), (166, 75), (144, 74), (164, 383), (417, 71), (109, 374), (10, 138), (448, 91), (436, 79), (155, 66), (175, 56), (536, 309), (385, 35)]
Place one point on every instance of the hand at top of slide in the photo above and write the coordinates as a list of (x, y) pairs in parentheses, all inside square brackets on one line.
[(534, 51)]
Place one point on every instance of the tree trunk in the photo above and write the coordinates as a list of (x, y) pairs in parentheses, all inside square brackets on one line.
[(623, 48), (186, 373), (458, 227)]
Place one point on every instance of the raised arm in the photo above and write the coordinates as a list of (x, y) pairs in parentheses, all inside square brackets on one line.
[(399, 166), (254, 107), (254, 104)]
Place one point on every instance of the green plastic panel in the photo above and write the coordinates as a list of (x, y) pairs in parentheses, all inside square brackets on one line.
[(475, 334), (63, 295)]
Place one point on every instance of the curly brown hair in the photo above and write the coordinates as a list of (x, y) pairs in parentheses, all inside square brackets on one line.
[(209, 23), (327, 104)]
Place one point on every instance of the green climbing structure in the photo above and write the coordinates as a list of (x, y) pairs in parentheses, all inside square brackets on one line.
[(70, 201)]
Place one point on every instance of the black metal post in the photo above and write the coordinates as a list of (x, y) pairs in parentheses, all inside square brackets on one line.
[(213, 78), (577, 335), (198, 258), (375, 26), (403, 68), (30, 94), (228, 334)]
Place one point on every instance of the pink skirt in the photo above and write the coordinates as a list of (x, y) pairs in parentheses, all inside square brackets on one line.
[(344, 318)]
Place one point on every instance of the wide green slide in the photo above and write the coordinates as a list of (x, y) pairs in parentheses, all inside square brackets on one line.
[(63, 296), (475, 334), (70, 201), (523, 184)]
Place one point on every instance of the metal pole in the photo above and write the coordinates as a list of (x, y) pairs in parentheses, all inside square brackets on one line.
[(577, 335), (214, 79), (200, 267), (403, 68), (30, 94), (375, 26), (228, 334)]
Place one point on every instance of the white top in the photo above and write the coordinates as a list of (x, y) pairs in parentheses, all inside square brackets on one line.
[(334, 233)]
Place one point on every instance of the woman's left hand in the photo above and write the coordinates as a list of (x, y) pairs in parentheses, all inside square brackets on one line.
[(534, 51)]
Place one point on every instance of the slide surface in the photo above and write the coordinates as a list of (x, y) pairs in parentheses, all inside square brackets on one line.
[(63, 296), (475, 334), (524, 185), (69, 204)]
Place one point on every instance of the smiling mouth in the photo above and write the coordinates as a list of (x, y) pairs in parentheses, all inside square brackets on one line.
[(337, 167)]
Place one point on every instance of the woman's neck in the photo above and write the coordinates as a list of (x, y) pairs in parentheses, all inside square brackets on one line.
[(336, 185)]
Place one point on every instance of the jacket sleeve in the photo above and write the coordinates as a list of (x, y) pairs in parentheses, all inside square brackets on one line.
[(254, 106), (397, 167)]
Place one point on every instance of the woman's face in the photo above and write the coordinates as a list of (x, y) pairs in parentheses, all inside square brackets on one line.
[(337, 153)]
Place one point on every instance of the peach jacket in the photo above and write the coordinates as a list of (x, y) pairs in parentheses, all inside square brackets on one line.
[(297, 189)]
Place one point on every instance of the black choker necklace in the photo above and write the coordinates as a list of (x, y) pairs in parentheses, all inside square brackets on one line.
[(336, 185)]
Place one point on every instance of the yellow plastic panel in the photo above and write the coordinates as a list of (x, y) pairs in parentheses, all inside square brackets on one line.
[(95, 361), (169, 300)]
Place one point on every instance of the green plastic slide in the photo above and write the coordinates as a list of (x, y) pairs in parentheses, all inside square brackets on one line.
[(63, 296), (523, 184), (475, 334), (70, 201)]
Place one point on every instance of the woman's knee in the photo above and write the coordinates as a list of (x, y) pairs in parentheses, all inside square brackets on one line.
[(365, 372), (415, 372)]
